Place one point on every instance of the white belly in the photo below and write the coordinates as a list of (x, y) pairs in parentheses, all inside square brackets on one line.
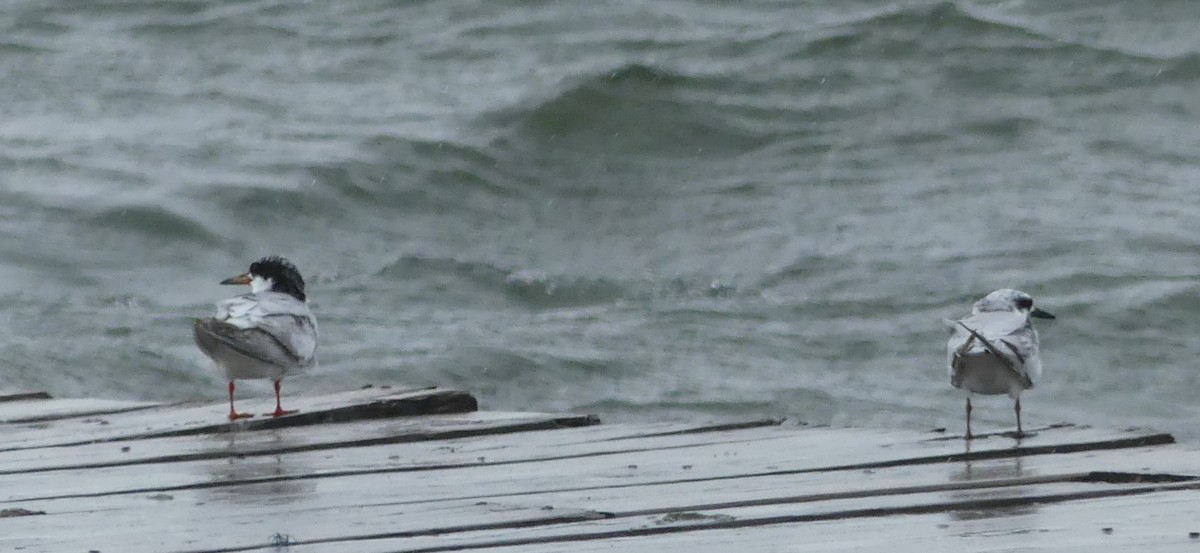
[(237, 366), (985, 374)]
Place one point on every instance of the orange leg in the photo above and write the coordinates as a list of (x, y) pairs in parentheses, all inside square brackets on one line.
[(233, 414), (279, 412)]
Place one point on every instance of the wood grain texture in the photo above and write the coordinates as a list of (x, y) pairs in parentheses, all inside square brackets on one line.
[(367, 472)]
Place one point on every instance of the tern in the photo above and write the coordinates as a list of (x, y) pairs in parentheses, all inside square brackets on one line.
[(263, 334), (995, 349)]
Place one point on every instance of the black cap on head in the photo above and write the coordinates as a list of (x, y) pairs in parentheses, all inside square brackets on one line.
[(286, 277)]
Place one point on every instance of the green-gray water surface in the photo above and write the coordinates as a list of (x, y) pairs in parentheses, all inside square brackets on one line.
[(677, 209)]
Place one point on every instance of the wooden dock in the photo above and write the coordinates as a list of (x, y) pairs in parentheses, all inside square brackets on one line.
[(402, 470)]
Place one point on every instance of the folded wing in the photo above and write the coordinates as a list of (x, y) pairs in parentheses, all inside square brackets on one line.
[(273, 327), (1006, 335)]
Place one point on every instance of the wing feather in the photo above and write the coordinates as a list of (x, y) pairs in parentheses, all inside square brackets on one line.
[(252, 342), (270, 326), (1008, 336), (294, 333)]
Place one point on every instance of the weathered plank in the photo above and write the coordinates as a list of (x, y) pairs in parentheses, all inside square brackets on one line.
[(24, 396), (39, 407), (367, 433), (176, 528), (502, 523), (1148, 522), (209, 418), (180, 478), (608, 483), (400, 453), (776, 451)]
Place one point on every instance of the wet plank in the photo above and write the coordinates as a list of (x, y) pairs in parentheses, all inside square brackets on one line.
[(516, 521), (1150, 522), (405, 450), (586, 463), (23, 396), (450, 429), (612, 484), (39, 407), (209, 418), (422, 470), (177, 530)]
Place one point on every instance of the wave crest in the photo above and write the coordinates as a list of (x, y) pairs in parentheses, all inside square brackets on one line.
[(155, 221), (531, 289), (635, 110)]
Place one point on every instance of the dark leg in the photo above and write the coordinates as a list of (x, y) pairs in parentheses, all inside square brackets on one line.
[(969, 435), (1017, 408), (233, 414), (279, 412)]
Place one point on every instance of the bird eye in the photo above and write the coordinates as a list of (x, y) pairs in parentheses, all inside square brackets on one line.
[(1024, 303)]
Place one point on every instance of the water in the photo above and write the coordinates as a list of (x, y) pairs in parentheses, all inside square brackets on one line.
[(667, 210)]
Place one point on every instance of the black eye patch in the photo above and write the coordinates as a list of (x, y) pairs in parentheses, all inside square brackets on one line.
[(1024, 303)]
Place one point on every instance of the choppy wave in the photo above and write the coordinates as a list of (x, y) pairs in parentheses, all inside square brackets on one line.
[(474, 280), (156, 221), (723, 210), (414, 175), (634, 110)]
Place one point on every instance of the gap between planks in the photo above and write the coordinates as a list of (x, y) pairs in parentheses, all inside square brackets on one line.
[(1019, 451), (553, 521)]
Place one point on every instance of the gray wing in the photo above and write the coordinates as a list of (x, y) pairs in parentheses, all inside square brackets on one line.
[(284, 319), (994, 325), (297, 334), (1021, 347), (245, 310), (257, 343), (1008, 336)]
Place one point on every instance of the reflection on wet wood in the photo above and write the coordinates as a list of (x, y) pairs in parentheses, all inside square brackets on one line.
[(421, 470), (33, 407), (126, 422)]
